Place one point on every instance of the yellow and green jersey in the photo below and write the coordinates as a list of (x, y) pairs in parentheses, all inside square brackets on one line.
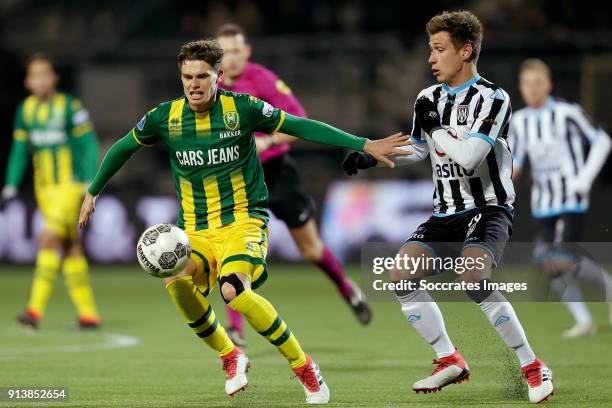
[(61, 138), (213, 157)]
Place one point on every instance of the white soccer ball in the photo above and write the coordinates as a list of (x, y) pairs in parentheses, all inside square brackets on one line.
[(163, 250)]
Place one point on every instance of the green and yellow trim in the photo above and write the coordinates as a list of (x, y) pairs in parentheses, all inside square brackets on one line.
[(138, 141), (280, 122)]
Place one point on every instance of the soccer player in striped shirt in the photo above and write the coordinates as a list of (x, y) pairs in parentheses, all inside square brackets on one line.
[(220, 185), (55, 127), (462, 124), (566, 152), (288, 200)]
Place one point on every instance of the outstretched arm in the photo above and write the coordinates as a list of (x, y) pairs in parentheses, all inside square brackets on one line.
[(320, 132), (115, 158), (356, 161), (268, 119), (418, 151)]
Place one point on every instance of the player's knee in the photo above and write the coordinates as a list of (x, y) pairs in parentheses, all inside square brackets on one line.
[(476, 266), (475, 275), (190, 270), (554, 266), (73, 248), (49, 240), (230, 286)]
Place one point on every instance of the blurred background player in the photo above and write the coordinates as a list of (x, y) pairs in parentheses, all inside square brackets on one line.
[(55, 127), (566, 153), (288, 200), (462, 123)]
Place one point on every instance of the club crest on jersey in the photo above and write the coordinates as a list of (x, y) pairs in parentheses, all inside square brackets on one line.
[(231, 120), (267, 110), (462, 114)]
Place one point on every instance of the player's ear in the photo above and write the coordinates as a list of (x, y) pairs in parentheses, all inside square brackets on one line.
[(467, 52), (248, 50), (220, 74)]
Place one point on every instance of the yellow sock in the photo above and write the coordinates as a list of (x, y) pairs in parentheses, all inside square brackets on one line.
[(76, 275), (262, 316), (199, 314), (45, 272)]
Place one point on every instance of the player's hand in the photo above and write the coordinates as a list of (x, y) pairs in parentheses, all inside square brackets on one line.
[(262, 143), (358, 160), (380, 149), (87, 209), (427, 114), (8, 194)]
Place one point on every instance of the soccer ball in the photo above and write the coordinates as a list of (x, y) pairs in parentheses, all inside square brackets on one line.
[(163, 250)]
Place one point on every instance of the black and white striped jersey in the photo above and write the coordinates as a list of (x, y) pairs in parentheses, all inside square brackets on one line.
[(478, 108), (556, 139)]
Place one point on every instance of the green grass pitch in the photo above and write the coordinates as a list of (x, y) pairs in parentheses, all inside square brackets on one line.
[(364, 367)]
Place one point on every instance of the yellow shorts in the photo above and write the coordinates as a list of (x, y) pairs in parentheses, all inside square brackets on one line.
[(60, 205), (239, 247)]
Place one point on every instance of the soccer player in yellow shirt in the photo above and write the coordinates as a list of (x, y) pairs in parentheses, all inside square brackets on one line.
[(219, 182), (55, 128)]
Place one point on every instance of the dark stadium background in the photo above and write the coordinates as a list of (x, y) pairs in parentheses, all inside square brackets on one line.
[(355, 64)]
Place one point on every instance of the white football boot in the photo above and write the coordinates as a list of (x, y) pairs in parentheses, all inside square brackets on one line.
[(580, 330), (314, 386), (449, 370), (236, 365), (539, 381)]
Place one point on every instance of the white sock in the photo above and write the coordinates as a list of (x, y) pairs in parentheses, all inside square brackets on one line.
[(502, 316), (591, 272), (570, 294), (425, 316)]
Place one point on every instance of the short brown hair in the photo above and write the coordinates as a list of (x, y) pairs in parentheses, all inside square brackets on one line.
[(230, 30), (201, 50), (534, 64), (462, 26)]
